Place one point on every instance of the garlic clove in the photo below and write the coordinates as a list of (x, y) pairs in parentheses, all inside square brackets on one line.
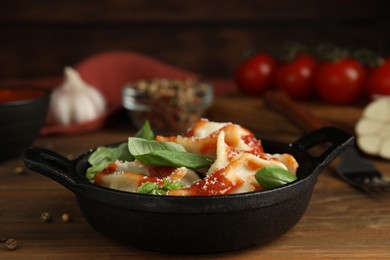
[(369, 144), (368, 126), (59, 107), (75, 101), (97, 99), (373, 129), (86, 111), (385, 149), (379, 110), (73, 79)]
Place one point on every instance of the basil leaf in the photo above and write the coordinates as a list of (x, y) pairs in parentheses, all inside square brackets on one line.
[(175, 159), (106, 155), (139, 146), (272, 176), (145, 132)]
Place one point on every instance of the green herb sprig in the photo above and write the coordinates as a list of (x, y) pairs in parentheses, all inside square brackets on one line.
[(154, 188)]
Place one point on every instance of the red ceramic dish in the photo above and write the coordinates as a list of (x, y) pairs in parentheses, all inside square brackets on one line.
[(109, 72), (17, 94)]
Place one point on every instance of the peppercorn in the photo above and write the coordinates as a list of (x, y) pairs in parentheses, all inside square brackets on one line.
[(45, 216), (11, 244), (19, 170), (65, 217), (3, 238)]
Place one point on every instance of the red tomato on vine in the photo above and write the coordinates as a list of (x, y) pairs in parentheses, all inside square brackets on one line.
[(297, 77), (341, 82), (254, 76), (379, 80)]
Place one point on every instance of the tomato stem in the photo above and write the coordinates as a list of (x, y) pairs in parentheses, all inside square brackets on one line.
[(329, 52), (248, 53), (368, 57), (290, 50)]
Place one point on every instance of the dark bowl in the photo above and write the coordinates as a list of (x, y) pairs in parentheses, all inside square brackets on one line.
[(22, 114), (195, 224)]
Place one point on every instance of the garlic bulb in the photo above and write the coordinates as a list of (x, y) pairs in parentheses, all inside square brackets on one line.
[(373, 129), (75, 101)]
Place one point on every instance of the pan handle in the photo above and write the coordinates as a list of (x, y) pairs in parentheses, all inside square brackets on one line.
[(52, 165), (338, 140)]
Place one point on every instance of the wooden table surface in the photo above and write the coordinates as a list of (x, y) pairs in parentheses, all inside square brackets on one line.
[(340, 222)]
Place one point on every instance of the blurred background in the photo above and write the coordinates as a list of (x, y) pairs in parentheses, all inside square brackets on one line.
[(39, 38)]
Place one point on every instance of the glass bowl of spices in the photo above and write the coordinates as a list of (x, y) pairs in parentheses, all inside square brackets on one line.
[(169, 105)]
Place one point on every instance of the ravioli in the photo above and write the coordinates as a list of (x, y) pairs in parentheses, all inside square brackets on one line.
[(237, 156)]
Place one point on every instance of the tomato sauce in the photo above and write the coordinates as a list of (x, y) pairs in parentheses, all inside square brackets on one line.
[(161, 171), (210, 145), (10, 95), (215, 184), (109, 169), (232, 152), (189, 133), (198, 125), (253, 143), (158, 180)]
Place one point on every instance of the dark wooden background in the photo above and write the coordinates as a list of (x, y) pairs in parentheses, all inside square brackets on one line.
[(39, 38)]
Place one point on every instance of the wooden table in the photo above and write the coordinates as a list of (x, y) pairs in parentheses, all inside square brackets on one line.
[(340, 222)]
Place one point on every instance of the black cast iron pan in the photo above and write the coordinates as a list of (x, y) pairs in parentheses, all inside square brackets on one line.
[(195, 224)]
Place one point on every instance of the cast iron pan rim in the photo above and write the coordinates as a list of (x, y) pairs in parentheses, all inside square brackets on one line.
[(195, 204), (215, 197), (313, 170), (248, 200)]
